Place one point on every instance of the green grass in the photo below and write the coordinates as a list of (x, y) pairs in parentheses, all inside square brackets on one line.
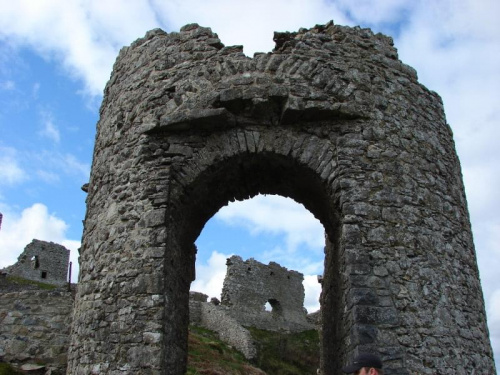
[(287, 353), (207, 355), (20, 281), (278, 354), (6, 369)]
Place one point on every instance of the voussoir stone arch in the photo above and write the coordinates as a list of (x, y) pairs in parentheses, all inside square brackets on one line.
[(232, 165), (330, 118), (235, 170)]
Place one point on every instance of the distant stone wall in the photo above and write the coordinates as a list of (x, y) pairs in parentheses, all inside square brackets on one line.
[(218, 319), (195, 301), (34, 327), (35, 324), (249, 285), (42, 261)]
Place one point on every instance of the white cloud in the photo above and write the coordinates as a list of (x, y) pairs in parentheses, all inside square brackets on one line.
[(84, 36), (366, 11), (48, 177), (35, 222), (49, 129), (53, 163), (251, 25), (312, 291), (210, 276), (494, 321), (10, 171), (278, 215), (17, 167), (481, 185), (35, 90), (7, 85)]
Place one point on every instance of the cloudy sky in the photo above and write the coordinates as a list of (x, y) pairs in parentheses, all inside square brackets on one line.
[(56, 56)]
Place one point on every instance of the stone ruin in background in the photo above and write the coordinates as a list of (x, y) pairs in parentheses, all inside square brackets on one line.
[(34, 323), (248, 286), (42, 261), (332, 119), (34, 320)]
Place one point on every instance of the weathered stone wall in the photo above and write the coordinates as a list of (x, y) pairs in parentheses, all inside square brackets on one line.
[(218, 319), (34, 327), (249, 285), (195, 301), (42, 261), (331, 119)]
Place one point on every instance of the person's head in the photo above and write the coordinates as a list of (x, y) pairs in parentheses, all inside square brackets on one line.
[(365, 364)]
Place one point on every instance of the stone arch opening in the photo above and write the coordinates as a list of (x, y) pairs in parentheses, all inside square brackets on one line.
[(238, 177), (272, 230), (274, 307)]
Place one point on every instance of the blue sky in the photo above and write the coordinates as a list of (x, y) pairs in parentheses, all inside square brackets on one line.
[(56, 56)]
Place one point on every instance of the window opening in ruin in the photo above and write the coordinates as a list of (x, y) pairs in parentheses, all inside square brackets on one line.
[(35, 263), (44, 274), (275, 307), (268, 307)]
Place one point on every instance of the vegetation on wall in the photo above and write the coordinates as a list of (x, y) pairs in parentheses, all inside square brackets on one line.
[(278, 354)]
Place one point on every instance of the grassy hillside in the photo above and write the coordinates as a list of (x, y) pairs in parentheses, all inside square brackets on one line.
[(287, 353), (210, 356), (278, 354)]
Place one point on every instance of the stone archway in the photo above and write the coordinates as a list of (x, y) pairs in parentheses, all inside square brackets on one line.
[(234, 172), (331, 119)]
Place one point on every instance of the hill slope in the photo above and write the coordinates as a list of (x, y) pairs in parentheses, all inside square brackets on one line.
[(278, 354)]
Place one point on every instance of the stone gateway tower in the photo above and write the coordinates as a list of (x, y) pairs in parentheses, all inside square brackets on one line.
[(330, 118)]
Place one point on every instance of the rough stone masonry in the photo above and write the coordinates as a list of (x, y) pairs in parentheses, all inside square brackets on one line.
[(332, 119), (249, 285), (42, 261)]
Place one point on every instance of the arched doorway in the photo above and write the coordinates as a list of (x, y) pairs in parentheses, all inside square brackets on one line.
[(237, 176), (267, 228)]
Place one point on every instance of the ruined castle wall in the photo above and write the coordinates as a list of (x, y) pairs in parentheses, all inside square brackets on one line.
[(196, 299), (333, 119), (218, 319), (42, 261), (249, 285), (34, 327)]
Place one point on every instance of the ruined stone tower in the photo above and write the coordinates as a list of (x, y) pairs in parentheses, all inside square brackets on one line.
[(42, 261), (331, 119), (249, 285)]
